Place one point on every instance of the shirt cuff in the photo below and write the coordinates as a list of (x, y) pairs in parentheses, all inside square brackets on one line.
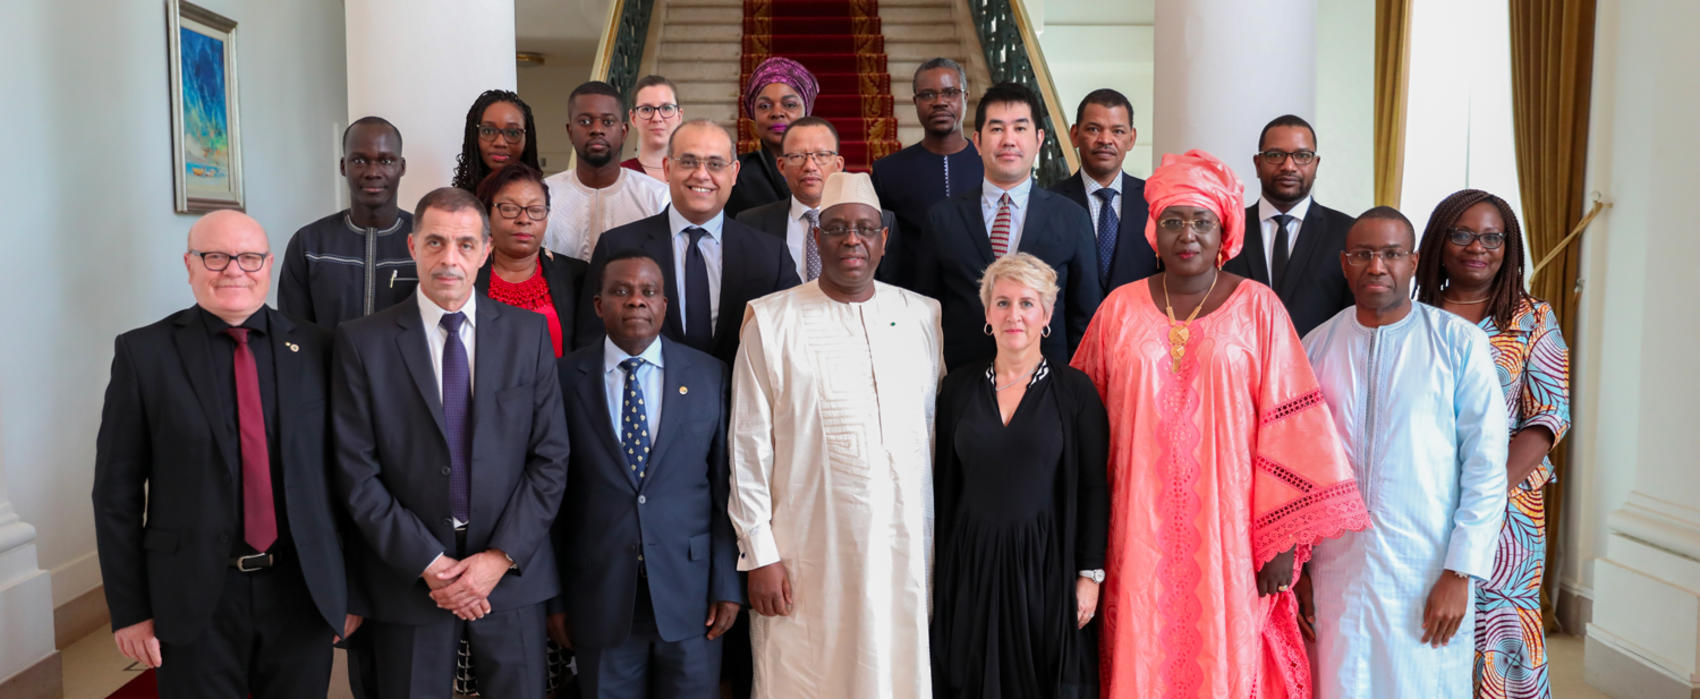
[(428, 565), (757, 549)]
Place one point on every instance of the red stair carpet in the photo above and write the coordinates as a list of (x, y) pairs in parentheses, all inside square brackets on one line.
[(840, 42), (144, 686)]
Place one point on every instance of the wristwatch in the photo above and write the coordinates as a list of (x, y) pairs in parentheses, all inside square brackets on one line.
[(1096, 576)]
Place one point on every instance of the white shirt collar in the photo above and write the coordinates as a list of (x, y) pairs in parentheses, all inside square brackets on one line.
[(432, 314), (1093, 186), (677, 224), (1266, 210), (612, 355), (615, 187), (798, 208), (991, 193)]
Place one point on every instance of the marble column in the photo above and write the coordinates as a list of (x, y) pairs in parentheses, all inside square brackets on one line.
[(26, 605)]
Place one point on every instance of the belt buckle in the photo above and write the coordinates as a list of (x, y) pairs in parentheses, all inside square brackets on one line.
[(242, 562)]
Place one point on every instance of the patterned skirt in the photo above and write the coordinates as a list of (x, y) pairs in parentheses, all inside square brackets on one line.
[(1511, 650)]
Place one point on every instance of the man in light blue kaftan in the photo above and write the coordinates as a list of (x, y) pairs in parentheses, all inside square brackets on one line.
[(1415, 399)]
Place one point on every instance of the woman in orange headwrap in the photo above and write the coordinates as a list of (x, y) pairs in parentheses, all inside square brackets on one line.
[(1224, 468)]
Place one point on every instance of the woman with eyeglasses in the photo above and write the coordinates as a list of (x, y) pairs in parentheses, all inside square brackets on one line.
[(780, 91), (1223, 468), (499, 130), (520, 272), (655, 112), (1471, 263)]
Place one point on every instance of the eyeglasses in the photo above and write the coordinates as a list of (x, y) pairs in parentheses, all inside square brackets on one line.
[(645, 111), (218, 261), (948, 93), (1204, 226), (838, 232), (1359, 258), (1300, 157), (821, 158), (1462, 237), (714, 165), (510, 210), (489, 133)]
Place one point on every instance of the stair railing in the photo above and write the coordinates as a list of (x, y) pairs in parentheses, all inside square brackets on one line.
[(619, 55), (1013, 55)]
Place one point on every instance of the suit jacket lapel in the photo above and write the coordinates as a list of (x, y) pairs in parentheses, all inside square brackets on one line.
[(675, 396), (1253, 251), (485, 366), (732, 286), (974, 226), (659, 245), (410, 342), (194, 349), (593, 400), (1304, 251), (1033, 224)]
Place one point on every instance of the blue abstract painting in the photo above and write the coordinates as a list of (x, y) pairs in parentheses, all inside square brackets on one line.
[(206, 123)]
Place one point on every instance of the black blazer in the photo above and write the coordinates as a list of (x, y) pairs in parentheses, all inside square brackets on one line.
[(1314, 288), (565, 277), (753, 265), (1133, 259), (956, 249), (165, 452), (775, 219), (392, 459), (759, 182), (675, 515)]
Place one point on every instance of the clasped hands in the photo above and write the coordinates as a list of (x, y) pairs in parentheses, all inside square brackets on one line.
[(463, 586)]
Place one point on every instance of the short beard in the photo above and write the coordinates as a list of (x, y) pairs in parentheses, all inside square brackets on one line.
[(598, 161)]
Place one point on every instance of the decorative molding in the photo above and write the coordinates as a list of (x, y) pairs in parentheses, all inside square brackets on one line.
[(1668, 526), (1574, 609), (1619, 668)]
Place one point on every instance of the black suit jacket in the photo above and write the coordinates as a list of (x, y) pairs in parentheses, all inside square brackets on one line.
[(753, 265), (956, 249), (165, 452), (392, 459), (775, 219), (759, 182), (565, 278), (675, 516), (1313, 288), (1133, 259)]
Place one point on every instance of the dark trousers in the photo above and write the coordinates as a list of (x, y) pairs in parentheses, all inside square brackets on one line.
[(645, 667), (738, 666), (266, 639), (418, 660), (362, 665)]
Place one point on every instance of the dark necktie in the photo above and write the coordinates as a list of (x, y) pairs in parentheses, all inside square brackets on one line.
[(699, 331), (259, 514), (457, 394), (634, 421), (811, 249), (1278, 264), (1108, 225)]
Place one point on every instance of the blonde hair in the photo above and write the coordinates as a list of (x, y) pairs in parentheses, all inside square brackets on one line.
[(1024, 269)]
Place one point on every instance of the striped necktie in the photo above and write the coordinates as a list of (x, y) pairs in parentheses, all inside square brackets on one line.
[(1000, 228)]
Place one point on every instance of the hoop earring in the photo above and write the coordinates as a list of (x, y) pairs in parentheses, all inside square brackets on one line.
[(1045, 332), (988, 329)]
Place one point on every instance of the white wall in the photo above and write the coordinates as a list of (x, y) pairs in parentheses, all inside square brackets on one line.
[(96, 247), (545, 89), (1345, 105)]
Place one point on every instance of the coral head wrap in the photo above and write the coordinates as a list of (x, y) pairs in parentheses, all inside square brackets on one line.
[(1197, 178), (781, 70)]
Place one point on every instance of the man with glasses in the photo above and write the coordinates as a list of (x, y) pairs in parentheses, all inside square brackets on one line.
[(1292, 241), (597, 194), (943, 164), (213, 517), (1417, 404), (654, 114), (713, 265), (808, 156)]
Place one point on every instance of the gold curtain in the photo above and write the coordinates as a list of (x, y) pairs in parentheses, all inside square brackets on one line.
[(1392, 78), (1552, 60)]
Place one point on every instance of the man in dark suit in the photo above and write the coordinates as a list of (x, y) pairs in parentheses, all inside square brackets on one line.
[(808, 156), (1103, 133), (649, 559), (713, 265), (213, 519), (1007, 213), (451, 454), (1292, 243)]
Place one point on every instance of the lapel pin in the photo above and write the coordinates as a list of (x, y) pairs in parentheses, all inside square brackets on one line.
[(292, 346), (683, 390)]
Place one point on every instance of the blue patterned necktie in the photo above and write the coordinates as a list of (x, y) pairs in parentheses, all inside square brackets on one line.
[(457, 394), (634, 421), (811, 250), (1109, 224)]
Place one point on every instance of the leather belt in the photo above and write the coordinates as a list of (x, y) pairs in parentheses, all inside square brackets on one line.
[(253, 562)]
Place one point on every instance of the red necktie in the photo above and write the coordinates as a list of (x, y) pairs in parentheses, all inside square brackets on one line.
[(259, 518), (1000, 229)]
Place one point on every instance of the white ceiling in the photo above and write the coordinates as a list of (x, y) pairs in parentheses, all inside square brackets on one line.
[(559, 26)]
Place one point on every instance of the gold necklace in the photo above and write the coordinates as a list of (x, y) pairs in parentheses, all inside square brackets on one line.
[(1466, 303), (1180, 332)]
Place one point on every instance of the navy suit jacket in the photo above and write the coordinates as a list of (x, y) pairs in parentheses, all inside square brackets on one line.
[(1314, 287), (1133, 258), (392, 458), (775, 219), (673, 520), (166, 452), (753, 265), (956, 249)]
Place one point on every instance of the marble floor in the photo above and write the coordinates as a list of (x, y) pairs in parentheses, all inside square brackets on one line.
[(93, 669)]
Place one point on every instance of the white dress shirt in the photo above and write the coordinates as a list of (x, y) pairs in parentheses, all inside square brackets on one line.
[(435, 336), (1266, 213), (797, 234), (651, 376), (1094, 205), (711, 258), (989, 196)]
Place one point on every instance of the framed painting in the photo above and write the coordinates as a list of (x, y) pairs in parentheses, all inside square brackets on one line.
[(206, 128)]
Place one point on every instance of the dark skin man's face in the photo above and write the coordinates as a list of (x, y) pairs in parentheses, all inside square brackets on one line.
[(598, 128), (848, 258), (1378, 285), (632, 302), (940, 101), (373, 165)]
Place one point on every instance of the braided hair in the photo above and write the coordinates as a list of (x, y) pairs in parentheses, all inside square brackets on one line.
[(1506, 290), (469, 165)]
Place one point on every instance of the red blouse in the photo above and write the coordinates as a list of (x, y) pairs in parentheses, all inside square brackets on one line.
[(532, 295)]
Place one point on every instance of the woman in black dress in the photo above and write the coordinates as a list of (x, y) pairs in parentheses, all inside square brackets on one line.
[(1021, 507)]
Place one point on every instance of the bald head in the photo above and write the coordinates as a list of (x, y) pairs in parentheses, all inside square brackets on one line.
[(226, 222), (705, 131), (230, 265)]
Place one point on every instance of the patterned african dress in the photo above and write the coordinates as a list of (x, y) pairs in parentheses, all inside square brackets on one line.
[(1534, 371)]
